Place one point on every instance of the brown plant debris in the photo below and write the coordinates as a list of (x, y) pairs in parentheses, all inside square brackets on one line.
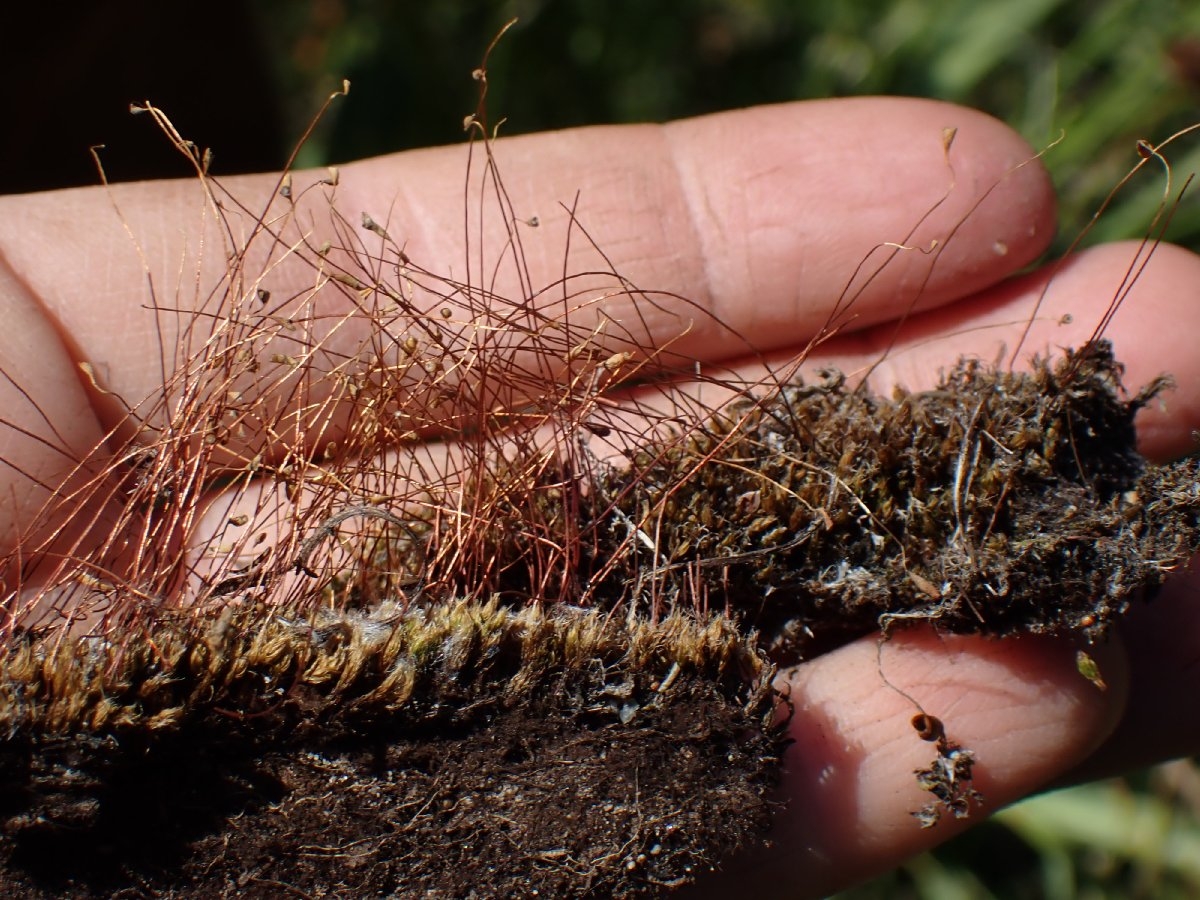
[(461, 750), (949, 778), (823, 512)]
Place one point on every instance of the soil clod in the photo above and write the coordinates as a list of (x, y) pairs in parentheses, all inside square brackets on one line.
[(619, 740), (465, 752)]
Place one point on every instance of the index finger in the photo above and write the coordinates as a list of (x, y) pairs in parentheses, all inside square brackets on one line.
[(759, 217)]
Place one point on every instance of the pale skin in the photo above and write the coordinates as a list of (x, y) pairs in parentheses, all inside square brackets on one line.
[(759, 216)]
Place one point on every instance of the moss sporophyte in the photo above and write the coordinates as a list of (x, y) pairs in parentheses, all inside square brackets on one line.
[(407, 672)]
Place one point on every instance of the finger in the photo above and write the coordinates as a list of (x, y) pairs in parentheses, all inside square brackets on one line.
[(759, 217), (40, 445), (1057, 307), (1040, 314), (1020, 705)]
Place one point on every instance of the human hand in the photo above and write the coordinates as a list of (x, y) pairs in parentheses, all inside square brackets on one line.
[(760, 217)]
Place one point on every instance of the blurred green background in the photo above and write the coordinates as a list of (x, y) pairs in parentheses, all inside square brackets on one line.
[(1103, 74), (245, 76)]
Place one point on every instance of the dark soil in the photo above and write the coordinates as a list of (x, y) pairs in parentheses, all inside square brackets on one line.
[(590, 780)]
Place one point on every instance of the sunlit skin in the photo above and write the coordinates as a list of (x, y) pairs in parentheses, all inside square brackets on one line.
[(759, 216)]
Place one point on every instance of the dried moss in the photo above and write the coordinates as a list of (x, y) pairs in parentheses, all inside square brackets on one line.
[(616, 740), (996, 503)]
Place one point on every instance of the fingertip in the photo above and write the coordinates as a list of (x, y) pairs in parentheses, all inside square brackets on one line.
[(789, 202), (1020, 706), (1142, 299)]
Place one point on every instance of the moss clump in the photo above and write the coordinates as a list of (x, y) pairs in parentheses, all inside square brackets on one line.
[(821, 512), (824, 512), (617, 740)]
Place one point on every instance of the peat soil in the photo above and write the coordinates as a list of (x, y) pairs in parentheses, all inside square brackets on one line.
[(613, 778)]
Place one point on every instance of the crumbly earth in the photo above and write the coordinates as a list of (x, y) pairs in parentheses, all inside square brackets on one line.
[(466, 753), (617, 741)]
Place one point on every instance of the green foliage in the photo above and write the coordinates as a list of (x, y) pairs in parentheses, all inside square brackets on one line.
[(1100, 75), (1126, 838)]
